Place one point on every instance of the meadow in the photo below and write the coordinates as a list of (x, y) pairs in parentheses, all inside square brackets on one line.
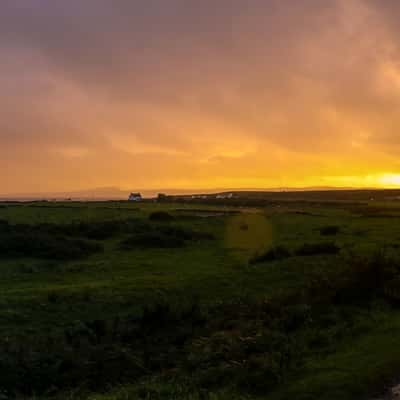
[(181, 300)]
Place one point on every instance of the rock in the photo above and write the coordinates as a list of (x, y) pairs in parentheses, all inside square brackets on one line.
[(395, 393)]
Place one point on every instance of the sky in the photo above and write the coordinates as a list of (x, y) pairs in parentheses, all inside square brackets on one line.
[(197, 94)]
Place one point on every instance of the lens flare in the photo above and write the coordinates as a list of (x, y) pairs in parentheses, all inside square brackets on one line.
[(247, 234)]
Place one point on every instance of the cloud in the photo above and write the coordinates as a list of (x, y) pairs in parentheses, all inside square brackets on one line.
[(188, 92)]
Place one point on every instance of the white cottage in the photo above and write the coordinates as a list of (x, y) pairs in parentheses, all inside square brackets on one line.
[(135, 197)]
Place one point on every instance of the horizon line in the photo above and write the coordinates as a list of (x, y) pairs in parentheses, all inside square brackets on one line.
[(85, 193)]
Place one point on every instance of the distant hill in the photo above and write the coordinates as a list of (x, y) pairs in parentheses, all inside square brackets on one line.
[(92, 194)]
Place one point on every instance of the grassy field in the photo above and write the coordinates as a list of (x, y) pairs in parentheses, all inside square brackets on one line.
[(115, 300)]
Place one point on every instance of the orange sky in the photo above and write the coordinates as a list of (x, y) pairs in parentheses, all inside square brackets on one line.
[(189, 94)]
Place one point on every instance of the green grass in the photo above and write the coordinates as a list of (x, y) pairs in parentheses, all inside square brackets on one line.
[(357, 369), (40, 298)]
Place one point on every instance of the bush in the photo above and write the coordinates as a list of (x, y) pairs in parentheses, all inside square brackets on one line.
[(163, 237), (98, 230), (160, 216), (152, 240), (4, 226), (360, 279), (92, 230), (16, 245), (186, 234), (274, 254), (329, 230), (313, 249), (95, 354)]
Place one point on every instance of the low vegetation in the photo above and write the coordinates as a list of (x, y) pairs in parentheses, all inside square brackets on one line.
[(70, 241), (153, 306), (25, 245), (305, 250), (163, 237), (247, 346), (273, 254), (160, 216), (329, 230), (313, 249)]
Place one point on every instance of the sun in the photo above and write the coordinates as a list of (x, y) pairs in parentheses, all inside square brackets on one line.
[(390, 180)]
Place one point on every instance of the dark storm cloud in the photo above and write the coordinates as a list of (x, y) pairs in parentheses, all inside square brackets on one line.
[(132, 44)]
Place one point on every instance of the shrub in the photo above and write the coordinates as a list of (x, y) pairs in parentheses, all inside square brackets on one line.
[(99, 230), (186, 234), (160, 216), (274, 254), (4, 226), (44, 246), (329, 230), (152, 240), (91, 230), (53, 297), (164, 236), (359, 280), (312, 249)]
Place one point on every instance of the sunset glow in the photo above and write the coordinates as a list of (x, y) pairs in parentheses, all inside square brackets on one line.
[(390, 180), (199, 95)]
